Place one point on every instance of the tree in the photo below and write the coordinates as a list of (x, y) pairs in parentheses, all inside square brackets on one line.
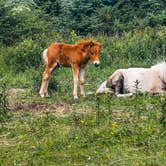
[(81, 17), (19, 22)]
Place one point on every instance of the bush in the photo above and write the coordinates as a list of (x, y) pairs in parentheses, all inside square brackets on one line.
[(20, 22), (141, 47), (24, 56)]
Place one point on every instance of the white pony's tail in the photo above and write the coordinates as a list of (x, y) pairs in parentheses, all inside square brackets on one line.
[(44, 56)]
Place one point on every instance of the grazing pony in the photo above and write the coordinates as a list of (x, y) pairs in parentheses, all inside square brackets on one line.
[(152, 80), (75, 56)]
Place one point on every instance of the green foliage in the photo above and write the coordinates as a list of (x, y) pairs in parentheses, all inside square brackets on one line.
[(128, 15), (36, 76), (18, 23), (81, 17), (141, 46), (24, 19), (52, 7), (28, 53), (163, 112), (16, 3), (4, 105), (24, 56)]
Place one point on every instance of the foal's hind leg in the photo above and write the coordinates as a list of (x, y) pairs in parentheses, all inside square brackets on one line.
[(45, 80), (49, 73), (44, 85)]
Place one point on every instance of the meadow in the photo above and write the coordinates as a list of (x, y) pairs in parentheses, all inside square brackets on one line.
[(96, 130)]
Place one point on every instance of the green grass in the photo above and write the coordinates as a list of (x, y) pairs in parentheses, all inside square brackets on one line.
[(96, 130)]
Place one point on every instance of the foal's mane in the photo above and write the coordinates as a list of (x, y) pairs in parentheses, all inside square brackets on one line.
[(85, 41)]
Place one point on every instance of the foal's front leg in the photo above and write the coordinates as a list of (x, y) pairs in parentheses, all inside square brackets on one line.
[(82, 81), (75, 80)]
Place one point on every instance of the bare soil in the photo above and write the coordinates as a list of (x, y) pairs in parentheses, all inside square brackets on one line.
[(58, 108)]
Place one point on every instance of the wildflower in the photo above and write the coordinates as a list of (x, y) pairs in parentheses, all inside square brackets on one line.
[(82, 121), (108, 155), (114, 124), (69, 146), (89, 158), (76, 137)]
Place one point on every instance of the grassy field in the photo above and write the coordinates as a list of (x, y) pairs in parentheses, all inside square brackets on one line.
[(96, 130)]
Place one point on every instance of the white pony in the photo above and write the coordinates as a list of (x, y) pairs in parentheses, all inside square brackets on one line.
[(152, 80)]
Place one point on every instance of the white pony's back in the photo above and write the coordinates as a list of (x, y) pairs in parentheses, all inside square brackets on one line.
[(137, 79), (151, 80)]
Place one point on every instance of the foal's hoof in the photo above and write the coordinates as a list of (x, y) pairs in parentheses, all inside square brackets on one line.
[(47, 95), (83, 95), (75, 97), (42, 95)]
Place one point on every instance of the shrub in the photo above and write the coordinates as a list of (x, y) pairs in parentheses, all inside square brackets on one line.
[(141, 47), (19, 22), (24, 56)]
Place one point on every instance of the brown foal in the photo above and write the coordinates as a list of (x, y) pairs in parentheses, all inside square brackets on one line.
[(75, 56)]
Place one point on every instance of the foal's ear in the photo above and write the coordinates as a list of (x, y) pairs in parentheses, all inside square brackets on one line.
[(100, 45), (91, 44)]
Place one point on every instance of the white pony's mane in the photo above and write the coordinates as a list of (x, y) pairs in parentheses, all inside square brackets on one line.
[(161, 68)]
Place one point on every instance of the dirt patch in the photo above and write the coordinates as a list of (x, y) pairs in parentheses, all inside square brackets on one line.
[(15, 91), (57, 108), (36, 106), (32, 106), (60, 108)]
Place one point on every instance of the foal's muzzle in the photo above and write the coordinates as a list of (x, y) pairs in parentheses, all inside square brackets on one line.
[(96, 63)]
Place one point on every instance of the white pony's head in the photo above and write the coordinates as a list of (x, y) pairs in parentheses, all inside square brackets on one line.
[(161, 68)]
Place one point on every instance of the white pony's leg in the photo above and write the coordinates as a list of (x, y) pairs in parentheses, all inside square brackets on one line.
[(103, 89), (125, 95)]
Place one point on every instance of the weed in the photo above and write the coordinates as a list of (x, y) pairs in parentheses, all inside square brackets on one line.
[(163, 112), (4, 105)]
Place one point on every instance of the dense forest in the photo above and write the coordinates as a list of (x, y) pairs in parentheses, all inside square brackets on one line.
[(34, 18)]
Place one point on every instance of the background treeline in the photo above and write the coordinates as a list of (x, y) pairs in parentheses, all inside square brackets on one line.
[(22, 19), (130, 30)]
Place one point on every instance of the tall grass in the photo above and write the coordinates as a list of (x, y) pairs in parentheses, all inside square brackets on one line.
[(140, 48)]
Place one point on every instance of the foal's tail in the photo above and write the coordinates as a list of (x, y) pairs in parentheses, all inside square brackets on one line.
[(45, 58)]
